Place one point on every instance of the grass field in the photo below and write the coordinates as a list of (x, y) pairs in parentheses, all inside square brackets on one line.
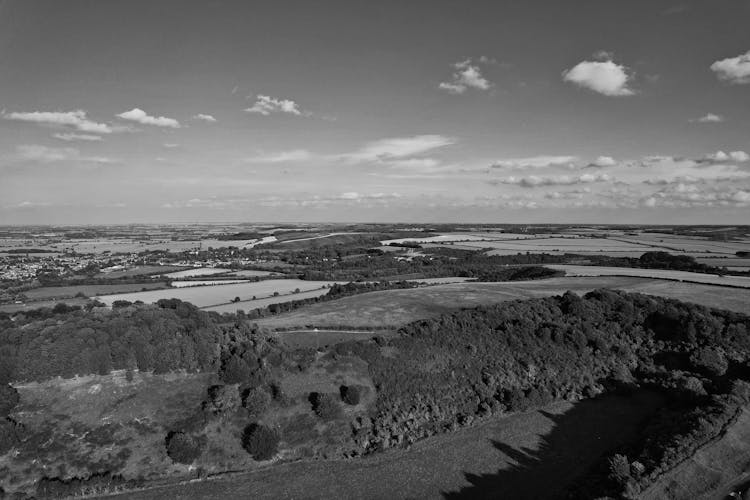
[(529, 455), (139, 271), (204, 296), (247, 305), (712, 279), (60, 292), (393, 308), (82, 424)]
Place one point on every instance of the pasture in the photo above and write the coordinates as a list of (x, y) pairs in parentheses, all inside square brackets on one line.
[(248, 305), (196, 271), (711, 279), (62, 292), (501, 457), (393, 308), (204, 296)]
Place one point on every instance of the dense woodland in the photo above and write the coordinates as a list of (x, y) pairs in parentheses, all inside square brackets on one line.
[(437, 375)]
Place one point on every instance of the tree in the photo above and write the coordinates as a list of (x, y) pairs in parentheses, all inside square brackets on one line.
[(325, 406), (256, 401), (183, 448), (350, 394), (260, 442)]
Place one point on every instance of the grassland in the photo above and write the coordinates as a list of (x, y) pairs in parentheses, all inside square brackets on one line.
[(503, 457), (711, 279), (393, 308), (62, 292), (205, 296)]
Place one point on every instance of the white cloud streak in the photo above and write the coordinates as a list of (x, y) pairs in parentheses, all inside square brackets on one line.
[(76, 119), (467, 75), (734, 70), (139, 116), (266, 105)]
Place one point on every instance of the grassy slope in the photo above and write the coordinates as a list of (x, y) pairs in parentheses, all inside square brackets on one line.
[(393, 308), (497, 459), (712, 471)]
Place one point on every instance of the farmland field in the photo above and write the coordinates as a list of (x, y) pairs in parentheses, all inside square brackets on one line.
[(393, 308), (247, 305), (57, 292), (204, 296), (186, 284), (198, 271), (713, 279)]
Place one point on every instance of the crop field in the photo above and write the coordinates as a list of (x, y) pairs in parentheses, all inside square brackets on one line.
[(186, 284), (204, 296), (139, 271), (713, 279), (721, 262), (197, 271), (247, 305), (251, 273), (393, 308), (503, 457), (61, 292)]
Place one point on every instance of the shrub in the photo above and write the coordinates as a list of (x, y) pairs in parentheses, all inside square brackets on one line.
[(325, 406), (183, 448), (256, 401), (710, 361), (8, 399), (222, 399), (10, 434), (260, 442), (350, 394)]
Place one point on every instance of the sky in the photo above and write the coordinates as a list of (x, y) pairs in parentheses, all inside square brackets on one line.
[(593, 111)]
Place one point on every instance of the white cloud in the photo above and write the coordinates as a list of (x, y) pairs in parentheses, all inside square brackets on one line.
[(46, 154), (604, 161), (76, 119), (283, 157), (139, 116), (265, 105), (466, 76), (604, 77), (171, 145), (534, 162), (399, 147), (708, 118), (558, 180), (734, 70), (205, 118), (77, 137), (722, 157)]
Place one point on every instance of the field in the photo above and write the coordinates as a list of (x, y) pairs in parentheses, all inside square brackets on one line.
[(393, 308), (247, 305), (61, 292), (712, 279), (198, 271), (139, 271), (204, 296), (78, 421), (503, 457), (186, 284)]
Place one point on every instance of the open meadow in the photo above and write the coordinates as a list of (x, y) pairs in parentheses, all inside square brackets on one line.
[(204, 296), (393, 308)]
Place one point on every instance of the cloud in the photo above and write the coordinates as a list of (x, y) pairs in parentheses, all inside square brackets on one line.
[(534, 162), (735, 70), (283, 157), (398, 147), (265, 105), (708, 118), (466, 76), (139, 116), (558, 180), (604, 77), (722, 157), (604, 161), (46, 154), (171, 145), (76, 119), (77, 137), (205, 118)]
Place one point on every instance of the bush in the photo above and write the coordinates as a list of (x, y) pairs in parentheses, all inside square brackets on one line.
[(325, 406), (710, 361), (10, 434), (350, 394), (256, 401), (183, 448), (222, 399), (8, 399), (260, 442)]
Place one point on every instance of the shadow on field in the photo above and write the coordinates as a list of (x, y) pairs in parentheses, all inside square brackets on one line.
[(579, 437)]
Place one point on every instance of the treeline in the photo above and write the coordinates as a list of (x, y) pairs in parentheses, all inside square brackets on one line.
[(171, 335), (519, 355)]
